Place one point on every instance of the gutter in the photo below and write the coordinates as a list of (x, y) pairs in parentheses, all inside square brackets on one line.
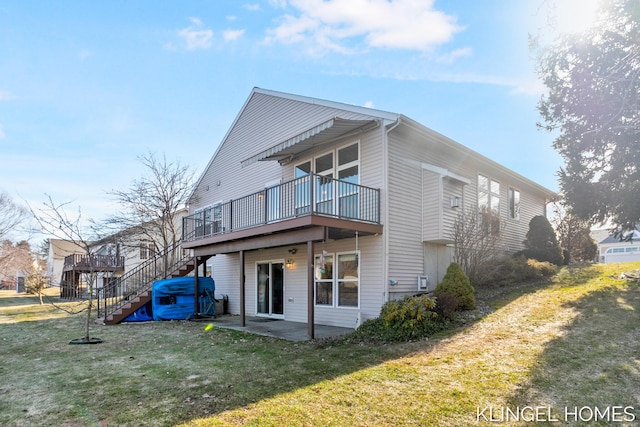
[(385, 184)]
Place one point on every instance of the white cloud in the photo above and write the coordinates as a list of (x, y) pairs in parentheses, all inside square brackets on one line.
[(253, 7), (368, 104), (230, 35), (195, 21), (342, 25), (196, 36), (453, 55)]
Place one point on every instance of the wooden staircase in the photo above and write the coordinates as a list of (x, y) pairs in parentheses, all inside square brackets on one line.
[(126, 294)]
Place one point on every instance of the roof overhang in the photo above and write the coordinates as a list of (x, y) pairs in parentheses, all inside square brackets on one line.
[(323, 133)]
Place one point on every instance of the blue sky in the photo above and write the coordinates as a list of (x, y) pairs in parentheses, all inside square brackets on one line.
[(87, 86)]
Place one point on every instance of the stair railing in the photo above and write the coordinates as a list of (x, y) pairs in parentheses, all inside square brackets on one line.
[(119, 290)]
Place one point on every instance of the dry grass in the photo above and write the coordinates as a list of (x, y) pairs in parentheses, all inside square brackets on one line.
[(574, 342)]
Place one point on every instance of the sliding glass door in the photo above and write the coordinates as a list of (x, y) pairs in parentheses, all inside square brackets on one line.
[(270, 298)]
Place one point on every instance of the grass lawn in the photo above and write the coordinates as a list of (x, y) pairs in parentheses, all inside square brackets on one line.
[(572, 345)]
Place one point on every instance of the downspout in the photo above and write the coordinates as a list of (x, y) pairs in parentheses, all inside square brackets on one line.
[(385, 186)]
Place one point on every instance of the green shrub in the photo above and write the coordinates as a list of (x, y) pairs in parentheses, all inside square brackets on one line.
[(507, 270), (541, 242), (516, 269), (456, 283), (405, 319), (542, 268)]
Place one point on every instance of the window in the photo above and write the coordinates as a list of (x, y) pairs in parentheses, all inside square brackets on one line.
[(348, 280), (339, 285), (147, 249), (302, 195), (348, 173), (209, 220), (489, 203), (324, 183), (488, 194), (324, 279), (514, 203), (329, 197)]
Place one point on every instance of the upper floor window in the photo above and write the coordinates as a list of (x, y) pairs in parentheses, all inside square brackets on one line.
[(489, 202), (331, 196), (488, 194), (345, 161), (514, 203), (147, 249)]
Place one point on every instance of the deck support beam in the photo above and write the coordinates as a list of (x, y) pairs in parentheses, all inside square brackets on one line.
[(196, 290), (243, 321), (310, 291)]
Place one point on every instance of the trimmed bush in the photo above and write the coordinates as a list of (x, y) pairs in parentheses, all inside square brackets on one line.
[(456, 283), (541, 242), (542, 268), (410, 318)]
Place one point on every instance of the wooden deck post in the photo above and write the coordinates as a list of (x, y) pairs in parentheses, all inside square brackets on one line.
[(310, 291), (242, 295), (196, 291)]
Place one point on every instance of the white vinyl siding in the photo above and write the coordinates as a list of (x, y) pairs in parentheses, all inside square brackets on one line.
[(260, 126), (413, 241), (404, 223)]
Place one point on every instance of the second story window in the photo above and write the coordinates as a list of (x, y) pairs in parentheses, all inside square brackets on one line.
[(489, 202), (488, 194), (147, 249), (514, 203), (331, 197)]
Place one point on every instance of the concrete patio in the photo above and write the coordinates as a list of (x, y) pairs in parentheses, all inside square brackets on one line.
[(292, 331)]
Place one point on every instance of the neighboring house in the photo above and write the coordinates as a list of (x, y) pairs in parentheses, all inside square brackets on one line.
[(58, 250), (113, 256), (319, 212), (613, 248)]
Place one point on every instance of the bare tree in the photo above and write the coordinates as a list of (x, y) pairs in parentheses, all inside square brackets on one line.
[(477, 238), (12, 215), (574, 235), (55, 221), (151, 206), (14, 259)]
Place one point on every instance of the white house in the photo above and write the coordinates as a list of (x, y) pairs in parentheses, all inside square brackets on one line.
[(319, 212), (111, 257), (612, 248)]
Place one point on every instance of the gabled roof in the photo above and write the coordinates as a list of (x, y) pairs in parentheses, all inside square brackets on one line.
[(384, 118), (612, 238), (327, 130)]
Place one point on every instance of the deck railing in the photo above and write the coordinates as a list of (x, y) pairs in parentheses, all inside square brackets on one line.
[(309, 195), (93, 262), (119, 290)]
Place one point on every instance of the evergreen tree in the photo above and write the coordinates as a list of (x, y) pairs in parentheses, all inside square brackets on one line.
[(593, 104), (541, 242)]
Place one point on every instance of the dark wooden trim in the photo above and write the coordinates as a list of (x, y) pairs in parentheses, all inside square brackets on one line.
[(261, 242), (242, 291), (310, 291), (283, 231), (196, 289)]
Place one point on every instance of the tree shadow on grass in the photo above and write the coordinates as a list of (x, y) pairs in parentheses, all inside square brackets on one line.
[(594, 364), (163, 373)]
